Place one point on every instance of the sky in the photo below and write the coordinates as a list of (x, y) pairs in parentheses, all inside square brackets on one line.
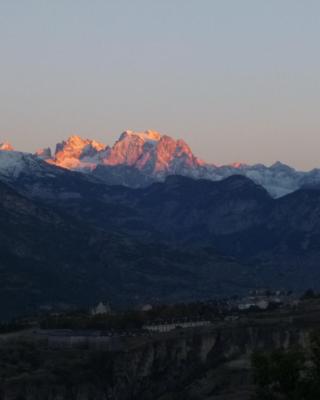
[(237, 80)]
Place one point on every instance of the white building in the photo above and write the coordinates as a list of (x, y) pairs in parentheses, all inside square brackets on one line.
[(101, 309), (146, 307), (170, 326)]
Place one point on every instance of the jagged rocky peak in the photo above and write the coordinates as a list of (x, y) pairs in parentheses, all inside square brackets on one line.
[(238, 165), (148, 151), (152, 153), (175, 157), (5, 146), (153, 156), (76, 144), (78, 153), (148, 135), (14, 164), (130, 147), (279, 166), (44, 154)]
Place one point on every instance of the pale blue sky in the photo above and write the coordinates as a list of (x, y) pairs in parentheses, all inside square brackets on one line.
[(239, 80)]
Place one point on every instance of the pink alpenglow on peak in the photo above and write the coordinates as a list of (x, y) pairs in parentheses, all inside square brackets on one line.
[(77, 153), (139, 158), (150, 152), (44, 154), (238, 165), (6, 147), (148, 135)]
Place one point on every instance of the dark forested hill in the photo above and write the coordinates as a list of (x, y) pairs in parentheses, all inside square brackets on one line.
[(49, 259), (68, 238)]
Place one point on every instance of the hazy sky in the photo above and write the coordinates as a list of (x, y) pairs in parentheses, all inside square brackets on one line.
[(239, 80)]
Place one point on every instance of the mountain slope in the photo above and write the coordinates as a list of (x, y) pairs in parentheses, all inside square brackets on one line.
[(149, 152), (180, 209), (78, 154), (171, 240), (14, 164), (48, 259), (234, 217), (138, 158)]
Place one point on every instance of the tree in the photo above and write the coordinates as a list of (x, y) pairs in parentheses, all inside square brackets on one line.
[(309, 294), (288, 375), (279, 375)]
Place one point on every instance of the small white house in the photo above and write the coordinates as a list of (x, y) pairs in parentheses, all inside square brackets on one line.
[(146, 307), (170, 326), (262, 304), (101, 309)]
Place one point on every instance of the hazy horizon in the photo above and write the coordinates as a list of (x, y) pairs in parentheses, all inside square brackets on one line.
[(238, 81)]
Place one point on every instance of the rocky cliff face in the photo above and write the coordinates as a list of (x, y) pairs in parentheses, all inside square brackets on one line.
[(149, 152), (208, 363), (78, 154), (173, 233), (48, 258), (140, 158), (156, 156), (44, 154), (6, 146)]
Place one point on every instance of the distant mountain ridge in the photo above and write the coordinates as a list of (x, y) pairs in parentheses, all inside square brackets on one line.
[(49, 258), (68, 237), (139, 158)]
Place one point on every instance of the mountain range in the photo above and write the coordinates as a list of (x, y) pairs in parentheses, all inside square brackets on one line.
[(54, 255), (137, 223), (139, 158)]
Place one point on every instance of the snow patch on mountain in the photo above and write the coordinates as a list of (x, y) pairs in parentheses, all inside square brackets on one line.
[(157, 156), (14, 164), (44, 154), (6, 147), (151, 157), (147, 136), (78, 154)]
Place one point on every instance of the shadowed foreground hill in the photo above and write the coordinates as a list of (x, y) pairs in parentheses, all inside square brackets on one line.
[(235, 216), (208, 363), (70, 239), (47, 258)]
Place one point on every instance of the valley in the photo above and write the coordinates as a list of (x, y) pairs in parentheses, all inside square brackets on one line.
[(211, 362), (70, 239)]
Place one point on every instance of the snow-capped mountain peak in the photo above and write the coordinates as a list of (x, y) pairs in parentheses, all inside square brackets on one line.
[(146, 136), (14, 164), (150, 152), (278, 165), (77, 153), (238, 165), (6, 146), (154, 154), (44, 154), (144, 157)]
